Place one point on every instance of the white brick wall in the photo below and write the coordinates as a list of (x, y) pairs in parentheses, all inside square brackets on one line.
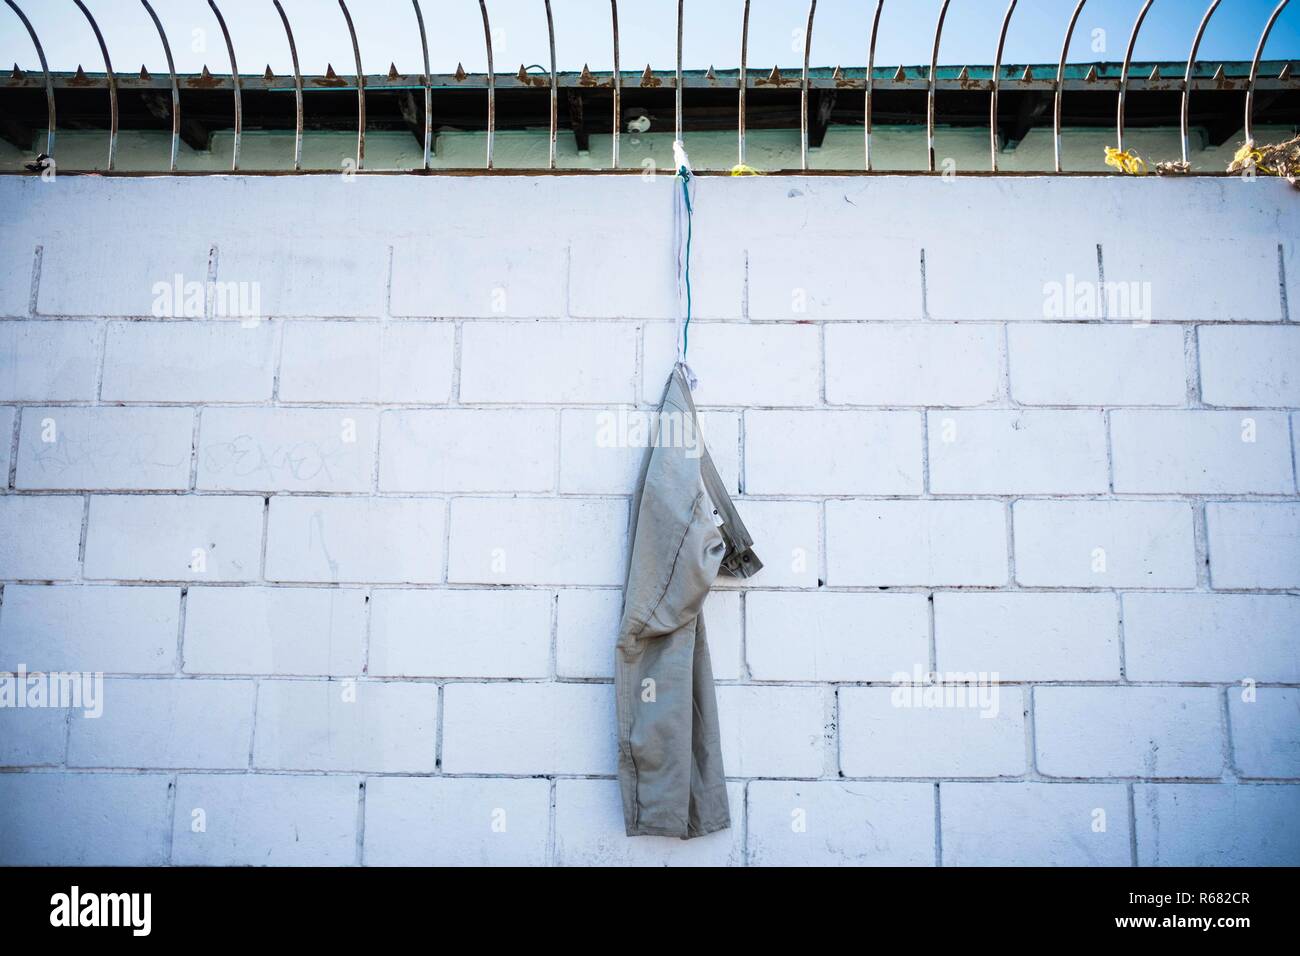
[(353, 569)]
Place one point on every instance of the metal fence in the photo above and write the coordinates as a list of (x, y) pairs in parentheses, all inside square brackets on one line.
[(1001, 78)]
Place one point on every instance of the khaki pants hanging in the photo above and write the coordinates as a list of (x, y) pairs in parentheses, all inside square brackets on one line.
[(685, 531)]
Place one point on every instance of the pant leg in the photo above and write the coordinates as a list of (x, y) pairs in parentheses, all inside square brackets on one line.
[(655, 690), (708, 806)]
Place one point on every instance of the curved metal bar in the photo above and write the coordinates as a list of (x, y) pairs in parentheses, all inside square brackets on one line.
[(234, 76), (491, 82), (618, 86), (428, 86), (997, 79), (297, 89), (677, 108), (871, 67), (1060, 84), (49, 81), (1123, 75), (744, 82), (803, 93), (112, 87), (555, 88), (361, 89), (176, 89), (1185, 114), (1254, 71), (929, 101)]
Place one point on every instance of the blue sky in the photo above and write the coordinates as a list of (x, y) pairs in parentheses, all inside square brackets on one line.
[(387, 32)]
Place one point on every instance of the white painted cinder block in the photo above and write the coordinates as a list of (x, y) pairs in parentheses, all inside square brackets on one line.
[(958, 731), (1238, 282), (528, 728), (1028, 637), (310, 275), (482, 632), (448, 821), (737, 363), (287, 449), (282, 631), (1020, 452), (1265, 732), (48, 361), (799, 280), (223, 361), (833, 823), (365, 540), (1069, 364), (17, 255), (1202, 452), (264, 820), (33, 736), (1034, 824), (105, 448), (1216, 824), (1250, 366), (538, 541), (465, 449), (376, 651), (346, 726), (127, 734), (583, 363), (774, 731), (103, 819), (519, 276), (91, 274), (40, 536), (1212, 637), (367, 362), (109, 629), (865, 453), (825, 636), (913, 364), (589, 832), (174, 537), (1139, 544), (901, 543), (1128, 731), (1254, 545), (970, 278)]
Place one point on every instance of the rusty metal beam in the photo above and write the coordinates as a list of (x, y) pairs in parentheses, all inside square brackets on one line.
[(618, 87), (112, 86), (870, 82), (297, 88), (929, 103), (1059, 93), (1185, 112), (743, 82), (1123, 75), (234, 73), (361, 88), (176, 89), (997, 79), (1254, 71), (49, 81), (491, 82), (555, 87), (803, 91), (428, 86)]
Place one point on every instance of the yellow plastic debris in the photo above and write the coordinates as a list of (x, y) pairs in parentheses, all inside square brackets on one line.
[(1126, 161)]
